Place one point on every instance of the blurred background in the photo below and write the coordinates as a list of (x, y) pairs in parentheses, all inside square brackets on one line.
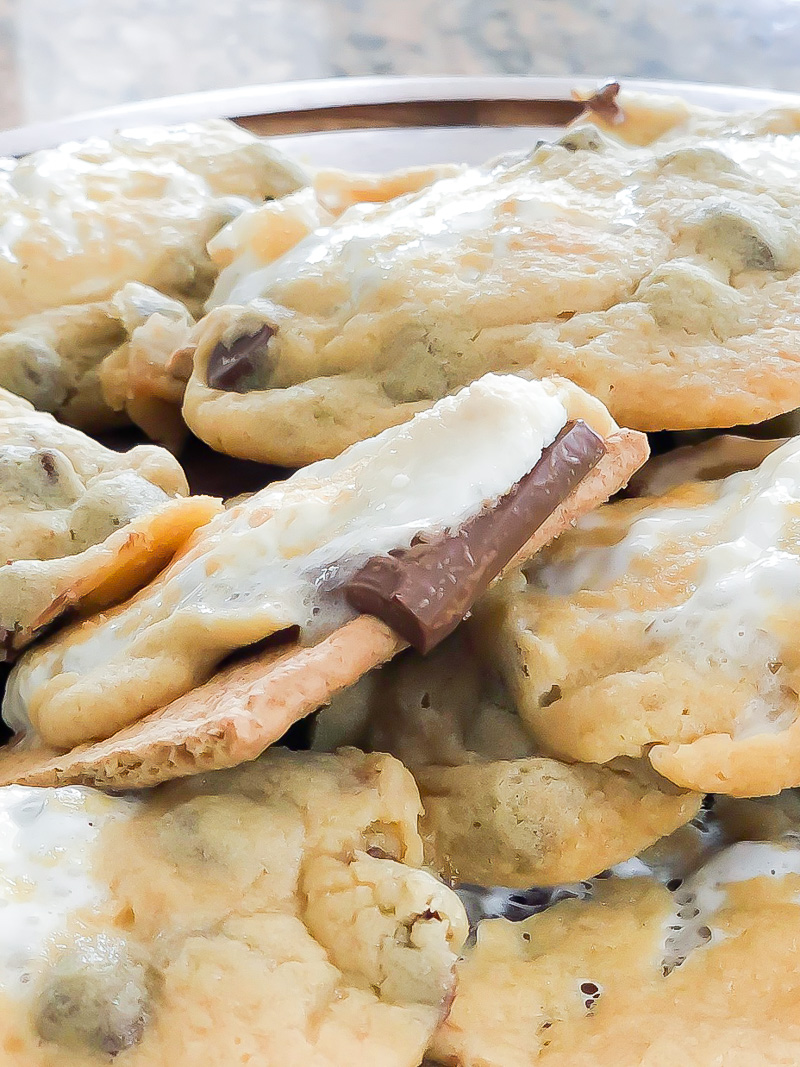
[(65, 56)]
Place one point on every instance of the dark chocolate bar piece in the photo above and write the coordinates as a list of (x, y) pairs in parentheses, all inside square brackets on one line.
[(424, 591)]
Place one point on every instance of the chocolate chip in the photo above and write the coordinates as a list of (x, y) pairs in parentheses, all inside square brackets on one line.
[(550, 697), (97, 998), (49, 465), (604, 103), (242, 366)]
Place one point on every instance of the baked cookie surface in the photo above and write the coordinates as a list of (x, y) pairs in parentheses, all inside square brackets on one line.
[(278, 913), (663, 279), (640, 972), (495, 811), (80, 524), (88, 218), (664, 627)]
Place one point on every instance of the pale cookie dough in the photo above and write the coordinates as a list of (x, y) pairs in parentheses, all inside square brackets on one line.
[(100, 365), (80, 525), (666, 627), (276, 915), (638, 976), (85, 219), (538, 821), (278, 560), (495, 813), (663, 280)]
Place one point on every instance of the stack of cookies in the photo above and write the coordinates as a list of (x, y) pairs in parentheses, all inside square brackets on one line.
[(460, 723)]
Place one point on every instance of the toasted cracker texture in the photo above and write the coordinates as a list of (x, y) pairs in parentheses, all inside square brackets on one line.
[(231, 719)]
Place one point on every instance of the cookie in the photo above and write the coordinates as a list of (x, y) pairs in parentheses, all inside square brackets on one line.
[(538, 821), (663, 628), (80, 526), (87, 362), (663, 280), (282, 558), (642, 118), (262, 234), (440, 710), (495, 812), (136, 379), (87, 218), (718, 457), (640, 973), (277, 913), (230, 719)]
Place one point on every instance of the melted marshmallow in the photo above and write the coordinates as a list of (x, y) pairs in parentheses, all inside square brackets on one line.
[(749, 575), (369, 242), (46, 842), (702, 896), (275, 560)]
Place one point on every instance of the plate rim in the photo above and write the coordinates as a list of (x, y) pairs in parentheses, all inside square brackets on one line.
[(330, 94)]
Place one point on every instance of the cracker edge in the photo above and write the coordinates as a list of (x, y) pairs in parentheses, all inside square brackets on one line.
[(248, 706)]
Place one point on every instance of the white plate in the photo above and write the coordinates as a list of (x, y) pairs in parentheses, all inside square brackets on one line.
[(335, 106)]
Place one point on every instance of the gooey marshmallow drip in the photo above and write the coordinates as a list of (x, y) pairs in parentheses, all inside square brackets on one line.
[(748, 576), (47, 838)]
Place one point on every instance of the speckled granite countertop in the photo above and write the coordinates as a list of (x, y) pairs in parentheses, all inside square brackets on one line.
[(62, 56)]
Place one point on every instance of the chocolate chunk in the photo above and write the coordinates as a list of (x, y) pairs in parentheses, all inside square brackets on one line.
[(96, 999), (423, 592), (241, 367), (49, 465), (604, 103)]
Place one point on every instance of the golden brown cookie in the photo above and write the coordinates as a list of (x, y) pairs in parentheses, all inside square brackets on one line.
[(640, 976), (495, 812), (538, 821), (664, 627), (80, 526), (88, 218), (664, 280), (276, 914)]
